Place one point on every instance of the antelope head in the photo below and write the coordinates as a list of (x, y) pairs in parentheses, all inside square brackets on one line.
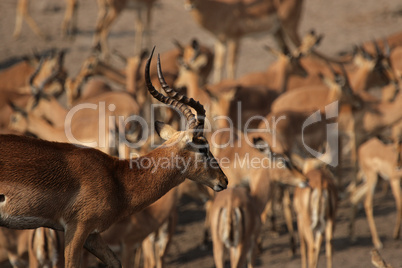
[(190, 144), (341, 87), (289, 174), (195, 59)]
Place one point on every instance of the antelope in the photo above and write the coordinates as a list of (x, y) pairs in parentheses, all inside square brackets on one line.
[(368, 120), (78, 123), (235, 225), (46, 72), (363, 71), (273, 168), (193, 67), (316, 207), (393, 40), (288, 64), (229, 21), (376, 158), (75, 210), (312, 98), (109, 11), (281, 172), (18, 77)]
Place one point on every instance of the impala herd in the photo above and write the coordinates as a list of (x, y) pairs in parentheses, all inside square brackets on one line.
[(86, 172)]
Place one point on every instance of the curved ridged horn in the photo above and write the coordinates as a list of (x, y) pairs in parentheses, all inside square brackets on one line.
[(168, 100), (197, 106)]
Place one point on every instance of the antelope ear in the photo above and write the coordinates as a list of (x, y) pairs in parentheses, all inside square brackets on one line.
[(201, 61), (262, 146), (164, 131)]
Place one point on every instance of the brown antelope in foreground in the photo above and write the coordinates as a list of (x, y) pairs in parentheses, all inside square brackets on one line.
[(229, 21), (89, 190), (316, 207), (376, 158), (235, 226)]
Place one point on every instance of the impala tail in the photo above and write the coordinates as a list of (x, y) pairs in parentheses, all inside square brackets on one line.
[(319, 205), (231, 226)]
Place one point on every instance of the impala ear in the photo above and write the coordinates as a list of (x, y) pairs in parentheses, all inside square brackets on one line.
[(164, 131)]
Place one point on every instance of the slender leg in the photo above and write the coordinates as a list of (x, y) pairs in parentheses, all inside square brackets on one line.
[(233, 51), (127, 253), (99, 248), (220, 51), (31, 22), (396, 191), (218, 247), (148, 249), (68, 26), (19, 18), (238, 255), (368, 206), (218, 250), (109, 19), (316, 248), (287, 211), (206, 224), (302, 242), (75, 237), (328, 241), (137, 257), (99, 22)]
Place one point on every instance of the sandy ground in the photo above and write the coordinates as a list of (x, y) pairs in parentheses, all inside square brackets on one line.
[(344, 24)]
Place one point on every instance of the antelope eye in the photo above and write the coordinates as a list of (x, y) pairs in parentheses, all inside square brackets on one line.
[(203, 150)]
